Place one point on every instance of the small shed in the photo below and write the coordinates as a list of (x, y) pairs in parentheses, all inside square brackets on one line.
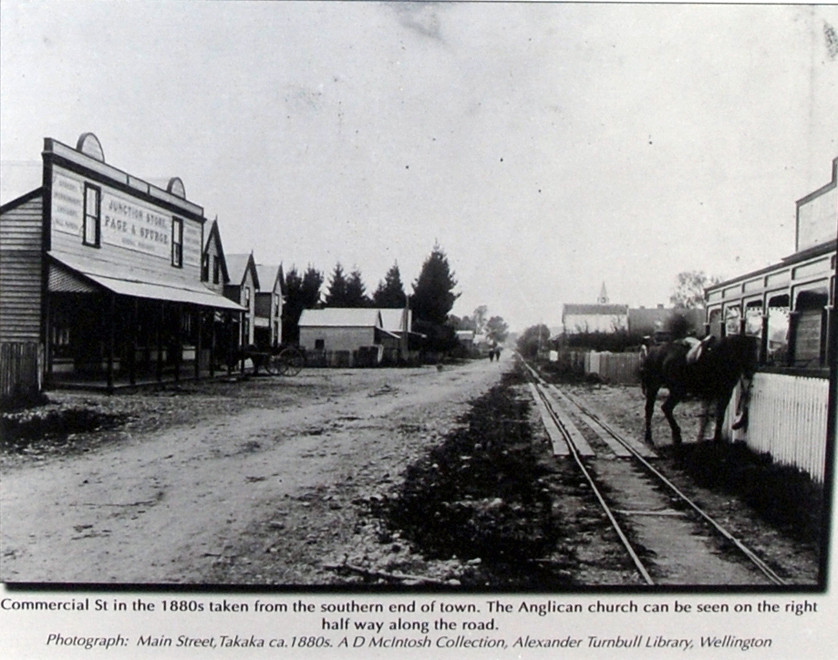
[(345, 336)]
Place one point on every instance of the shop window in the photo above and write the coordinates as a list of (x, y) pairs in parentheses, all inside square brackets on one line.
[(732, 320), (186, 324), (810, 328), (753, 320), (61, 335), (92, 215), (177, 242), (714, 322), (778, 330)]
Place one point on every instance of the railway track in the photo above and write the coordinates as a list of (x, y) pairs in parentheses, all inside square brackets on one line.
[(678, 540)]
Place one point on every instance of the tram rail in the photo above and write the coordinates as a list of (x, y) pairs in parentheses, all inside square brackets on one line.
[(579, 453)]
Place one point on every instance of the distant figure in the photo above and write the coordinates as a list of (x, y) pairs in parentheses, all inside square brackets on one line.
[(494, 352)]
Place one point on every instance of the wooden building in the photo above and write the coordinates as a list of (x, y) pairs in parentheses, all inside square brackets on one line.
[(268, 313), (600, 317), (344, 336), (241, 289), (790, 307), (101, 274)]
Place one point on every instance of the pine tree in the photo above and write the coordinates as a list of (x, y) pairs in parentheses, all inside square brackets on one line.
[(336, 295), (433, 291), (301, 292), (356, 295), (390, 293)]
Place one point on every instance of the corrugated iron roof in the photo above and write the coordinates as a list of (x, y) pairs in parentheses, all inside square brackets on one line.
[(337, 317), (144, 285)]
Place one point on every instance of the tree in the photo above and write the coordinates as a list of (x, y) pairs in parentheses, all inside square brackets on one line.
[(497, 329), (433, 290), (336, 295), (390, 292), (312, 281), (300, 293), (532, 339), (458, 323), (356, 295), (479, 318), (689, 289)]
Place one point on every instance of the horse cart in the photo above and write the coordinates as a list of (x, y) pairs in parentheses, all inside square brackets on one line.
[(281, 361)]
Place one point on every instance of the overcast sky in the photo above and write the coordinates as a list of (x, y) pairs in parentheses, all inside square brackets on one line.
[(547, 148)]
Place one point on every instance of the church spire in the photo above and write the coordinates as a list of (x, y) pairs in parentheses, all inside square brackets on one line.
[(603, 295)]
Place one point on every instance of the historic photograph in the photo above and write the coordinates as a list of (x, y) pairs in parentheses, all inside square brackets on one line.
[(417, 297)]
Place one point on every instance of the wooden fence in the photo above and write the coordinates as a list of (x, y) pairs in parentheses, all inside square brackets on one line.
[(616, 368), (787, 418), (20, 369), (620, 368)]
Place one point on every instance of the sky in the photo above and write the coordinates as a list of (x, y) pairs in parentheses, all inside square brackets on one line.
[(547, 148)]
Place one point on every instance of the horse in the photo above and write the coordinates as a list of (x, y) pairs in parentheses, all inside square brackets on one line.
[(260, 357), (711, 377)]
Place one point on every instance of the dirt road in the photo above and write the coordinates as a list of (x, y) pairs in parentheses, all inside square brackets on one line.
[(261, 494)]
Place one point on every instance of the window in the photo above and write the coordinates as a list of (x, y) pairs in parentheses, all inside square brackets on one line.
[(92, 215), (205, 258), (319, 344), (246, 297), (216, 270), (177, 242), (733, 317)]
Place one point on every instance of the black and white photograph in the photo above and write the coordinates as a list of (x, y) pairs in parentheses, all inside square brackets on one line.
[(335, 329)]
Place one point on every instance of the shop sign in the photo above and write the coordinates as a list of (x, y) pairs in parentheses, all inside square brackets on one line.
[(67, 204), (191, 244), (816, 220), (135, 227), (124, 222)]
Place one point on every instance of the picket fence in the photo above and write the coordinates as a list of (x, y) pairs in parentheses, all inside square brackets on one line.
[(787, 418)]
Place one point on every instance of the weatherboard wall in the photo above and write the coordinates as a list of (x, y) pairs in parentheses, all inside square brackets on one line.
[(21, 263)]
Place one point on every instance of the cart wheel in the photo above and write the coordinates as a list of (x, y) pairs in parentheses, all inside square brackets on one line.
[(291, 362), (275, 365)]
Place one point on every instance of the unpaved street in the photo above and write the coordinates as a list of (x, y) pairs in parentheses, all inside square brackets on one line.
[(254, 489)]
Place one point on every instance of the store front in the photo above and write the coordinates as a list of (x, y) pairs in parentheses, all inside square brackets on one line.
[(790, 305), (102, 272)]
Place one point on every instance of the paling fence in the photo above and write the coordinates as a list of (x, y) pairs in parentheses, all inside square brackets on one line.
[(787, 418), (621, 368), (20, 368), (617, 368)]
